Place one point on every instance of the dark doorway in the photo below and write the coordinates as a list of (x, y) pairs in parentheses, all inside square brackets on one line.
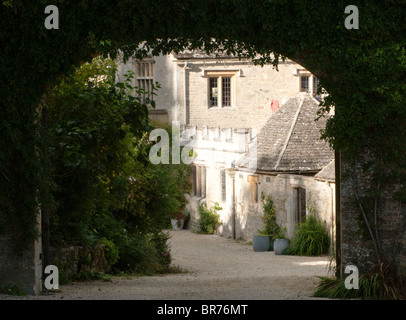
[(301, 204)]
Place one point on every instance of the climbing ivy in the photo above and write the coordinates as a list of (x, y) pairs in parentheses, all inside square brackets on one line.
[(363, 69)]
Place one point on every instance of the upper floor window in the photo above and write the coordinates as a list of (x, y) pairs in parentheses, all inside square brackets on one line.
[(309, 83), (304, 84), (145, 78), (221, 89)]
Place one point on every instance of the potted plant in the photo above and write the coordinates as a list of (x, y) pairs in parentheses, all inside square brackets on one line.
[(280, 245), (272, 230), (177, 220), (260, 242)]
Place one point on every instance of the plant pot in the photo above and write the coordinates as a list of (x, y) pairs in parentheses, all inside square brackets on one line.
[(177, 224), (260, 243), (280, 246)]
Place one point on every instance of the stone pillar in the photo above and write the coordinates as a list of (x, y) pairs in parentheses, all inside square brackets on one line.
[(23, 270), (357, 248)]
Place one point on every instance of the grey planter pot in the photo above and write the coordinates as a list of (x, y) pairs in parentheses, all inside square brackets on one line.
[(260, 243), (280, 245)]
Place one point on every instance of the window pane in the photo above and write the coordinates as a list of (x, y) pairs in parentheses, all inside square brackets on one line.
[(304, 84), (213, 92), (226, 92)]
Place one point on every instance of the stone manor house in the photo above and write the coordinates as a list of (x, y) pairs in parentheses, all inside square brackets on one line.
[(253, 131)]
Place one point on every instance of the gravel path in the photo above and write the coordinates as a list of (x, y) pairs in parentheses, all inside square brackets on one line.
[(218, 269)]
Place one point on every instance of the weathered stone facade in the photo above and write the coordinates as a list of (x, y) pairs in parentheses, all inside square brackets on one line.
[(73, 260), (356, 246), (222, 134), (23, 270)]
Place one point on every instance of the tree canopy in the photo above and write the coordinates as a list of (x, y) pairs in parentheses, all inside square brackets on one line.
[(363, 69)]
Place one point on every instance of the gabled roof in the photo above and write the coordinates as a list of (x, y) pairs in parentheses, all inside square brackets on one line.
[(290, 139), (328, 173)]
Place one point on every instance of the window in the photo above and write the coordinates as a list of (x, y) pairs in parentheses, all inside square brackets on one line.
[(301, 204), (304, 84), (253, 180), (199, 181), (223, 185), (221, 89), (145, 78)]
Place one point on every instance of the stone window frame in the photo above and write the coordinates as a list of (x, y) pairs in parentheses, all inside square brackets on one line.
[(219, 75), (254, 188), (312, 82), (144, 76)]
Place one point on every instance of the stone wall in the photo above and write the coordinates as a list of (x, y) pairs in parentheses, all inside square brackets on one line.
[(75, 259), (23, 270), (320, 195), (356, 247), (255, 88)]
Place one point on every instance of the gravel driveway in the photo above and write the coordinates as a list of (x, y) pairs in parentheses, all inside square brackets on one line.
[(218, 269)]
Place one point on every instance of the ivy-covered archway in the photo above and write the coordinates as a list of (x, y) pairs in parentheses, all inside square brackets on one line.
[(363, 70)]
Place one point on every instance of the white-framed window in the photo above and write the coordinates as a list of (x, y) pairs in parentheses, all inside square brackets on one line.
[(145, 77), (199, 180), (309, 83), (304, 83), (221, 89)]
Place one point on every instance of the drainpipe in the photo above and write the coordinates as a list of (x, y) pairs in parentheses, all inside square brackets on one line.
[(233, 207), (185, 96), (231, 172)]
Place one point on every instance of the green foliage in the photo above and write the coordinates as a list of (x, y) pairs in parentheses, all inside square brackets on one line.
[(271, 227), (110, 251), (363, 71), (144, 254), (372, 286), (91, 124), (106, 190), (13, 290), (310, 239), (209, 219), (90, 275)]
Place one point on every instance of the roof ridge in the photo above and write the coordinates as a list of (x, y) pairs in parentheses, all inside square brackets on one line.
[(290, 131)]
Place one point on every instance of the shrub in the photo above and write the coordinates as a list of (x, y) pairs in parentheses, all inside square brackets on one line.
[(376, 286), (310, 239), (110, 251), (209, 219), (145, 254), (272, 228)]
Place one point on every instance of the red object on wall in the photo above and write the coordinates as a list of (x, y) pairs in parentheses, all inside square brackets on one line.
[(274, 105)]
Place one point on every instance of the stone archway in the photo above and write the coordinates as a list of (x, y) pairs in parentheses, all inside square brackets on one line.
[(312, 34)]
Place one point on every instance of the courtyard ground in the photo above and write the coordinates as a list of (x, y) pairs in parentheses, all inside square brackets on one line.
[(216, 269)]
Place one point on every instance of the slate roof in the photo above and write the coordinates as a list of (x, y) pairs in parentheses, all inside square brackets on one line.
[(290, 139), (328, 172)]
